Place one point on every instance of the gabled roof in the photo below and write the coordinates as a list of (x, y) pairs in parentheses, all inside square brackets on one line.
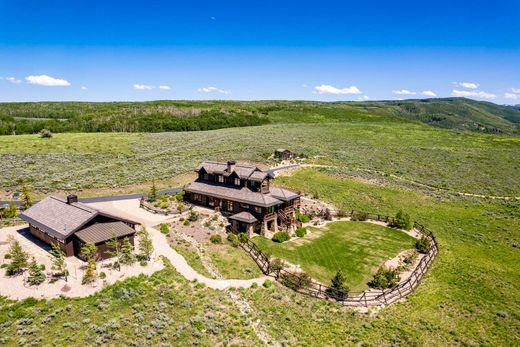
[(57, 218), (244, 195), (101, 232), (215, 167), (244, 217)]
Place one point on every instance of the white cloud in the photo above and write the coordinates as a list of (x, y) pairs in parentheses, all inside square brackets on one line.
[(83, 88), (404, 92), (13, 80), (475, 94), (467, 85), (515, 90), (328, 89), (511, 96), (143, 87), (428, 93), (364, 97), (213, 90), (165, 87), (48, 81)]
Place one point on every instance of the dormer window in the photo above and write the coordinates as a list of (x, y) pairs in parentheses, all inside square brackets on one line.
[(237, 181), (205, 176), (220, 179)]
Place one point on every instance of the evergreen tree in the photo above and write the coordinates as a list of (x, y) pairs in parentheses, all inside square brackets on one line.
[(145, 243), (127, 256), (152, 195), (11, 211), (36, 274), (337, 289), (58, 261), (18, 258), (88, 252), (26, 197), (114, 249), (403, 221)]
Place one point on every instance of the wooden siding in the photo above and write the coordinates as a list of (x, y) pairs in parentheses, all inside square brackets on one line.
[(66, 246)]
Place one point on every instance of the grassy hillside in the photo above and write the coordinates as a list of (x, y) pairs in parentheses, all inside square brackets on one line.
[(410, 154), (160, 116)]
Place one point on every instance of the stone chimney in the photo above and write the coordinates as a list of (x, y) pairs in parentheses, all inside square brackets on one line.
[(72, 199), (231, 165)]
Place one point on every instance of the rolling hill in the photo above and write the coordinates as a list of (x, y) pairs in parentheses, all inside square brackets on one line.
[(161, 116)]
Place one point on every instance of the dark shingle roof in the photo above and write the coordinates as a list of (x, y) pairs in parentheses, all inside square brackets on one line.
[(244, 217), (55, 217), (283, 194), (244, 195), (101, 232), (215, 167)]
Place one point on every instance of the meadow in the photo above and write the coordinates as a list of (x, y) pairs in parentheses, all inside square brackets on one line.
[(358, 249), (387, 150)]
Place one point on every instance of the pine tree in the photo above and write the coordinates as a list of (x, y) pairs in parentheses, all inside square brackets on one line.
[(152, 195), (127, 256), (337, 289), (58, 261), (145, 243), (18, 258), (26, 197), (36, 274), (114, 249), (88, 252)]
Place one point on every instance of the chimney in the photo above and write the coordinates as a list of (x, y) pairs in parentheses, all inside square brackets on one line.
[(71, 199), (231, 165)]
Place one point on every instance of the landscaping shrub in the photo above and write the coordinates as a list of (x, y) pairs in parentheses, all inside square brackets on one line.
[(304, 218), (296, 281), (422, 245), (11, 211), (165, 229), (267, 284), (233, 239), (216, 239), (337, 289), (384, 278), (243, 237), (45, 134), (402, 220), (186, 222), (277, 264), (281, 236), (102, 275), (359, 216), (193, 217), (301, 232)]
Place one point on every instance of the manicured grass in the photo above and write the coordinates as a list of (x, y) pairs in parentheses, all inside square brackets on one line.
[(233, 262), (358, 249)]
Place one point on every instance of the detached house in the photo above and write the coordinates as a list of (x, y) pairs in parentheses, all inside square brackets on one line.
[(71, 224), (245, 195)]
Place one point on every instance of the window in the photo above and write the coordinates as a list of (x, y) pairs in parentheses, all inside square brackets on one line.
[(230, 205), (197, 197), (237, 181), (205, 176), (258, 209), (220, 178)]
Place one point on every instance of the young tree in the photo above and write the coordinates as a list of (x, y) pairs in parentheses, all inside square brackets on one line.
[(36, 274), (58, 261), (152, 195), (114, 249), (88, 252), (18, 258), (11, 211), (127, 256), (337, 289), (403, 221), (145, 243), (26, 197)]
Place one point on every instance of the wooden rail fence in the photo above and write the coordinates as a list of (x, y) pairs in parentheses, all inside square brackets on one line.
[(367, 298)]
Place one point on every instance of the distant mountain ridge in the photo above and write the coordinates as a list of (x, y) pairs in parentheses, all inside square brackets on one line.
[(171, 115)]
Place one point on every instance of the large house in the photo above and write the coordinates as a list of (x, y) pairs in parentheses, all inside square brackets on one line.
[(245, 195), (71, 224)]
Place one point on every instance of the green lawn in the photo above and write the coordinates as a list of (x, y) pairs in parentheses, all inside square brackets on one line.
[(358, 249)]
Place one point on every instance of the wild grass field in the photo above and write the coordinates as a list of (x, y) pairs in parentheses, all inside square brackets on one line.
[(356, 248), (411, 153), (368, 161)]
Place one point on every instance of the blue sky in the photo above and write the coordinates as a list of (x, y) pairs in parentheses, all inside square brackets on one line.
[(328, 50)]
